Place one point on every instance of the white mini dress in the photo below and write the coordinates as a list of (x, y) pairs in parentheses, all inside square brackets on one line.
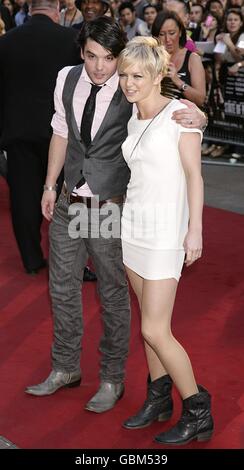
[(155, 214)]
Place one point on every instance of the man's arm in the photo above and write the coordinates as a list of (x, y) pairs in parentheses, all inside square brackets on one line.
[(57, 148), (191, 116), (56, 158)]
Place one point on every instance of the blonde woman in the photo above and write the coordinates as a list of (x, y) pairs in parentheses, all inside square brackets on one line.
[(161, 224)]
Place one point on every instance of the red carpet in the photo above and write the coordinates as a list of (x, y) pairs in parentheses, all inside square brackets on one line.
[(208, 320)]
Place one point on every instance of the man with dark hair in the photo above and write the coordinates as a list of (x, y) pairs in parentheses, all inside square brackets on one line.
[(30, 58), (89, 126), (90, 168), (91, 9), (132, 25)]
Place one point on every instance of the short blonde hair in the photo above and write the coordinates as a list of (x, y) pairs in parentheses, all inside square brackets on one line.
[(147, 51)]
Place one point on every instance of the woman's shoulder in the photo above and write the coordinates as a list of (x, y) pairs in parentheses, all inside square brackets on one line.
[(166, 116), (194, 58), (174, 105)]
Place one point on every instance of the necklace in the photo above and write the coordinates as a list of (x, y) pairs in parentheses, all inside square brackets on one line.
[(147, 126), (72, 19), (155, 115)]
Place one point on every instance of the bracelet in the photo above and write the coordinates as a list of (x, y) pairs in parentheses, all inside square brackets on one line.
[(50, 188)]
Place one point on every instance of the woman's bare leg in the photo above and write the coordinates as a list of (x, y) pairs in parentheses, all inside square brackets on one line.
[(157, 305), (155, 367)]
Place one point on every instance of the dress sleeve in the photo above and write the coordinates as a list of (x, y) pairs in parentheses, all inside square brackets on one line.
[(193, 129)]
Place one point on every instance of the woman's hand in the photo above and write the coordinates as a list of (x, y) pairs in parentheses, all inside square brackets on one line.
[(227, 40), (205, 30), (220, 37), (192, 246), (172, 72)]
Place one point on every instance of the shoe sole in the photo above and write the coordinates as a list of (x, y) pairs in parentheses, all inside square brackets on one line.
[(203, 437)]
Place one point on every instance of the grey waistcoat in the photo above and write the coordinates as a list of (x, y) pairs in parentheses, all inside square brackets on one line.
[(101, 163)]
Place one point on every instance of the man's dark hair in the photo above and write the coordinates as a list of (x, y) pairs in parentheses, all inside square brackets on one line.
[(209, 3), (148, 5), (199, 5), (169, 15), (125, 5), (105, 32)]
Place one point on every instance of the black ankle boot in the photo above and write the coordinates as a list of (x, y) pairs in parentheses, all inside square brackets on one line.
[(196, 421), (158, 405)]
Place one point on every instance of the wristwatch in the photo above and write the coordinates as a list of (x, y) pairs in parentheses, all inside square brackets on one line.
[(184, 87)]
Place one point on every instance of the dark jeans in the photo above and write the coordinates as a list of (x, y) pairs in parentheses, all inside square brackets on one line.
[(67, 260)]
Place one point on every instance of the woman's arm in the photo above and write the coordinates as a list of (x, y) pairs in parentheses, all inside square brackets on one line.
[(197, 91), (232, 47), (190, 154), (205, 30)]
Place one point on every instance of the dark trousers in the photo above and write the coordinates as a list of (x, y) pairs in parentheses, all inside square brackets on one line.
[(67, 259), (27, 167)]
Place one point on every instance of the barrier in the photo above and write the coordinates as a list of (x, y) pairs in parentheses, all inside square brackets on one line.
[(226, 120)]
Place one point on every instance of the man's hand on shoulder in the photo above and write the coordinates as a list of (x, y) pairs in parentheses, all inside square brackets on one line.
[(191, 116)]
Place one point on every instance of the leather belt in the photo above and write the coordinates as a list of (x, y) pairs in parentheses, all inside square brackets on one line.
[(90, 202)]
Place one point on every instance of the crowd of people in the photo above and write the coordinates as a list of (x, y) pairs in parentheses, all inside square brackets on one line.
[(214, 33)]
